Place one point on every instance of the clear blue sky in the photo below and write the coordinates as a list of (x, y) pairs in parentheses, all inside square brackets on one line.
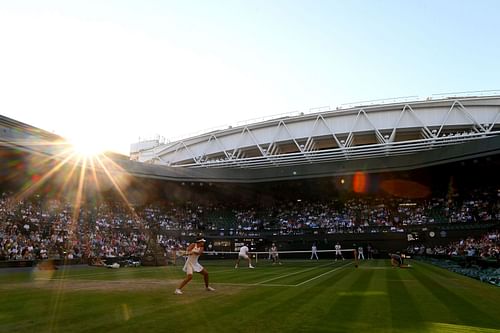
[(109, 72)]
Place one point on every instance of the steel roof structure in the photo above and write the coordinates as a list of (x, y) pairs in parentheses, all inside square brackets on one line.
[(370, 138), (357, 133)]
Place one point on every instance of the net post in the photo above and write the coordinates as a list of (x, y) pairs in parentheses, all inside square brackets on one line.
[(355, 258)]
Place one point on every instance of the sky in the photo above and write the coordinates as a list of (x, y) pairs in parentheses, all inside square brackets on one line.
[(109, 73)]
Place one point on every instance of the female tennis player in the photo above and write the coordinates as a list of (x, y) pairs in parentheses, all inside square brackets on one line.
[(194, 251)]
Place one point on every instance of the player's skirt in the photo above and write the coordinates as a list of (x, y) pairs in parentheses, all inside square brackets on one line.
[(189, 267)]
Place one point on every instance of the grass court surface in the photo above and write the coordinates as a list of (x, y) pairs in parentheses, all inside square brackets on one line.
[(298, 296)]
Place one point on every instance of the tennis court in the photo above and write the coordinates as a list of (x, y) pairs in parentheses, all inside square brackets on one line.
[(300, 295)]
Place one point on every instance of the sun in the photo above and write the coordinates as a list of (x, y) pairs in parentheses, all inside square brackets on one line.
[(87, 146)]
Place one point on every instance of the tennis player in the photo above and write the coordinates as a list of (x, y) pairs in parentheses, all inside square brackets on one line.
[(194, 251), (338, 252), (244, 255), (397, 260), (314, 251), (275, 255)]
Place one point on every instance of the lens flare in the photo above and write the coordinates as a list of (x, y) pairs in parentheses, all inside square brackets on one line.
[(87, 147), (405, 188), (359, 182)]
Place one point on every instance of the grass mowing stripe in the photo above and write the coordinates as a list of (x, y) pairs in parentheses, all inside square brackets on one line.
[(346, 300), (464, 311), (291, 309), (344, 311), (273, 305), (375, 306), (487, 291), (405, 312), (309, 306)]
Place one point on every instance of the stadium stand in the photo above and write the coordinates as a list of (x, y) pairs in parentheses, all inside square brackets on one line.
[(478, 257), (138, 215)]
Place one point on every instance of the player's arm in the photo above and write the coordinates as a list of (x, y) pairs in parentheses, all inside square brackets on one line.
[(190, 248)]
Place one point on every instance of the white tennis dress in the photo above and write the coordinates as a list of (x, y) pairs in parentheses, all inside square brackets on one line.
[(192, 264)]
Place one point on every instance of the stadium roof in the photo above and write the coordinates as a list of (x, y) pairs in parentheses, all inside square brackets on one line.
[(321, 139), (374, 138)]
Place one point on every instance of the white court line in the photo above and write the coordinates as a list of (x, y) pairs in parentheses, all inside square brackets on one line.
[(225, 270), (317, 277), (290, 274), (103, 281), (107, 271), (164, 282), (252, 284), (119, 273), (261, 283)]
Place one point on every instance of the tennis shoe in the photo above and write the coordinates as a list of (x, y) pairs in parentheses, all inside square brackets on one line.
[(178, 292), (251, 266), (210, 289)]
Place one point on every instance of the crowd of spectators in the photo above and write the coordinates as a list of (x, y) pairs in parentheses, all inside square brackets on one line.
[(369, 214), (486, 247), (39, 227), (475, 257)]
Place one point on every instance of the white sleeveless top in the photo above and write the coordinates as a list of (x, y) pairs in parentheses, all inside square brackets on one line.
[(192, 264)]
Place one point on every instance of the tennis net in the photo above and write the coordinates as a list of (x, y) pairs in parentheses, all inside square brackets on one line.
[(284, 257)]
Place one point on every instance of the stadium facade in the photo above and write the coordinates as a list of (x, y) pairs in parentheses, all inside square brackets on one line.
[(369, 138)]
